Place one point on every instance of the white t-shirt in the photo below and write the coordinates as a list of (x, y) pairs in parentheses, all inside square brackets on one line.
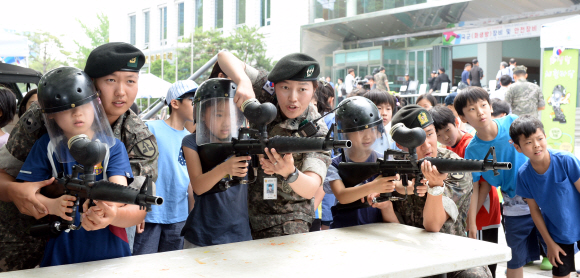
[(349, 83), (499, 93)]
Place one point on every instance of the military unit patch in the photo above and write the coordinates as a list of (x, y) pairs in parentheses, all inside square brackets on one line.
[(309, 71), (422, 117), (146, 148), (133, 62)]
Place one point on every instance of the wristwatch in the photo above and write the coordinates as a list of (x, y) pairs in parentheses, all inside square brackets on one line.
[(436, 190), (292, 177)]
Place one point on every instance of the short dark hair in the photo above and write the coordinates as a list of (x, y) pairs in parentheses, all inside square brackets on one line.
[(467, 65), (7, 106), (475, 61), (470, 95), (381, 68), (379, 97), (22, 105), (180, 99), (499, 106), (369, 77), (442, 69), (357, 92), (323, 93), (525, 125), (340, 79), (216, 70), (350, 70), (505, 80), (442, 116), (512, 61), (428, 97)]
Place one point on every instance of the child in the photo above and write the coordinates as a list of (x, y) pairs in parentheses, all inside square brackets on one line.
[(550, 181), (71, 107), (362, 133), (473, 106), (386, 105), (488, 218), (216, 218), (163, 224), (500, 108), (7, 112), (426, 101)]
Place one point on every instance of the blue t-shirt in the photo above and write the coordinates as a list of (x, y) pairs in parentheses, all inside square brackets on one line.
[(555, 194), (464, 76), (217, 218), (172, 180), (347, 218), (329, 199), (80, 246)]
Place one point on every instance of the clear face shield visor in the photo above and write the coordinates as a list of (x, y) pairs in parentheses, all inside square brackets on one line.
[(217, 120), (88, 119), (362, 140)]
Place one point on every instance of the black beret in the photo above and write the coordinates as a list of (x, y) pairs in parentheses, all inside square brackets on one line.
[(297, 67), (112, 57), (413, 116)]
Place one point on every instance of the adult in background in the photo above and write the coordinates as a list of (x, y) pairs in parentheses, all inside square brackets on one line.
[(381, 80), (340, 90), (26, 101), (513, 64), (114, 68), (329, 82), (431, 81), (504, 81), (525, 98), (465, 74), (476, 74), (371, 81), (441, 78), (504, 69), (349, 83)]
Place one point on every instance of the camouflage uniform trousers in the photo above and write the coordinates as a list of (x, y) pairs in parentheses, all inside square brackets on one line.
[(287, 228), (474, 272)]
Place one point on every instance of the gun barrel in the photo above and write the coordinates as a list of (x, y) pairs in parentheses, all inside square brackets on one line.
[(112, 192), (454, 165), (287, 144), (502, 166), (338, 144), (153, 200)]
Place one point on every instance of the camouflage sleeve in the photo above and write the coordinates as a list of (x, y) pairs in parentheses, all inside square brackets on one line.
[(457, 194), (259, 78), (143, 157), (317, 163), (30, 127), (508, 97), (541, 101), (9, 163)]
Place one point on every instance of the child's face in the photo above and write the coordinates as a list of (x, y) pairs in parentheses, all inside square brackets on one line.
[(75, 121), (185, 109), (425, 104), (449, 136), (386, 112), (294, 97), (477, 114), (534, 147), (218, 120), (118, 92), (363, 139)]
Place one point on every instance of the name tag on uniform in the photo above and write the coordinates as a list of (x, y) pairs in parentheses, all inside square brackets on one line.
[(270, 188)]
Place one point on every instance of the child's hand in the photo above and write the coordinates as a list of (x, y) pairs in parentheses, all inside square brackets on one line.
[(98, 217), (385, 184), (141, 227), (276, 164), (62, 205), (472, 231), (432, 175), (380, 205), (236, 166), (554, 251)]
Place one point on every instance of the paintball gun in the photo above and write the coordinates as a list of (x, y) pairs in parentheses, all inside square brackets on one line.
[(82, 185), (251, 142), (353, 173)]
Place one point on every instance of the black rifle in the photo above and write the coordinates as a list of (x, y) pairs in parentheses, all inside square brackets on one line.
[(353, 173), (251, 142), (82, 185)]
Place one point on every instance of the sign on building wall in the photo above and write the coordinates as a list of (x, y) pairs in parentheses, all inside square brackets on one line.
[(559, 84), (494, 33)]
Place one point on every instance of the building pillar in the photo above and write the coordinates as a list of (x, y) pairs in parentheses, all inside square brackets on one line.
[(350, 8), (489, 56)]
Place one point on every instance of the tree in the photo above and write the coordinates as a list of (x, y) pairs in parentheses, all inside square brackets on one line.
[(168, 70), (46, 52), (248, 46), (98, 35)]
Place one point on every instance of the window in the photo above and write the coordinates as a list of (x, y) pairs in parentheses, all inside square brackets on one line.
[(132, 22), (146, 19), (163, 25), (241, 12), (198, 13), (330, 9), (219, 14), (180, 20), (265, 13)]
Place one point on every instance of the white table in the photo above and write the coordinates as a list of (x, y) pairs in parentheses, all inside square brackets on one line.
[(386, 250)]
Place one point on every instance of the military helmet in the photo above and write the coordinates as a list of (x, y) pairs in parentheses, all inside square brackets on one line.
[(559, 90), (215, 88), (64, 88), (357, 113)]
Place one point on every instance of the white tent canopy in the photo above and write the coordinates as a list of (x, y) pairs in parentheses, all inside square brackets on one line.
[(561, 33), (12, 45), (151, 86)]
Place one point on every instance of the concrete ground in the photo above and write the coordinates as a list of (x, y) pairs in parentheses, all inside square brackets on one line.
[(531, 271)]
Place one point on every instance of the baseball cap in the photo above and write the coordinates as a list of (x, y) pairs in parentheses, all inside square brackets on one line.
[(180, 88)]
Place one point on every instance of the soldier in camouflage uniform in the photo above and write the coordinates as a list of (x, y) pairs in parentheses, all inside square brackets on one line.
[(525, 98), (112, 61), (290, 212), (452, 192)]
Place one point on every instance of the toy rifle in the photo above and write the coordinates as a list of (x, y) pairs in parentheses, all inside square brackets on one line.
[(251, 142), (353, 173), (82, 185)]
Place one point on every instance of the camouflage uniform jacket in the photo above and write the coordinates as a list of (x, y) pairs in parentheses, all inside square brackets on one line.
[(289, 205), (141, 147), (456, 199), (525, 98), (380, 79)]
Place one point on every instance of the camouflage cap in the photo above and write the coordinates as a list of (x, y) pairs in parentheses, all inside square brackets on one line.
[(520, 69)]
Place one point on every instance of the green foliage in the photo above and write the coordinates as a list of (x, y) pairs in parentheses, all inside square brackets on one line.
[(246, 43), (168, 70), (98, 35), (44, 52)]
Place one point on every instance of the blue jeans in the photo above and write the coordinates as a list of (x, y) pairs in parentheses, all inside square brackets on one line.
[(158, 238)]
